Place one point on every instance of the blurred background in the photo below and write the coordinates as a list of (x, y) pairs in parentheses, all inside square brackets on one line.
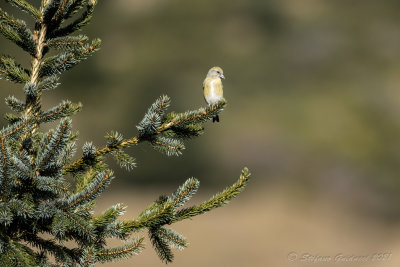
[(313, 110)]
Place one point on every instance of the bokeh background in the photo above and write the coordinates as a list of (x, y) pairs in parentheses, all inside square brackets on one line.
[(313, 110)]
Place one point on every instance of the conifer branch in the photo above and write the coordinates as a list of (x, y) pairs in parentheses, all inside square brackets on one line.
[(161, 246), (22, 170), (184, 192), (88, 258), (216, 201), (18, 255), (58, 140), (169, 146), (165, 211), (60, 252), (67, 42), (11, 71), (79, 163), (91, 191), (48, 83), (15, 128), (80, 226), (172, 238), (156, 215), (15, 104), (25, 6), (83, 20), (109, 216), (173, 122), (132, 248), (65, 109), (124, 160), (199, 116), (16, 31), (48, 184)]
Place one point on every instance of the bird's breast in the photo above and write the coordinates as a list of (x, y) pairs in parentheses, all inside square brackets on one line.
[(213, 92)]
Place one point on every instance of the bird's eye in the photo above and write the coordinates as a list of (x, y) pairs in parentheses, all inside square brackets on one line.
[(218, 72)]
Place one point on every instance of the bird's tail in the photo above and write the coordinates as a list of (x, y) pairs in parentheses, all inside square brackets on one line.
[(216, 118)]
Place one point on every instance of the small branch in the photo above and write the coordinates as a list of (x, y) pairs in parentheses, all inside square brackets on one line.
[(105, 150), (90, 193), (120, 252), (173, 123), (216, 201), (135, 140)]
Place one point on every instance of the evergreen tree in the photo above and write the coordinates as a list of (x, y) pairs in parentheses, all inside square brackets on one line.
[(47, 195)]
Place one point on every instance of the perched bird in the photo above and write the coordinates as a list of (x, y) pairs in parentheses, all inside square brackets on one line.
[(212, 88)]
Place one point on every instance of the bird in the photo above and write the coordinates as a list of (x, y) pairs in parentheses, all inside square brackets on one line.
[(212, 88)]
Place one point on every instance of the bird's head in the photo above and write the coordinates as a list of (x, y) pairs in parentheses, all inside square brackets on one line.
[(216, 72)]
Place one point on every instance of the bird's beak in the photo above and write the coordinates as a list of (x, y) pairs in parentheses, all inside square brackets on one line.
[(222, 76)]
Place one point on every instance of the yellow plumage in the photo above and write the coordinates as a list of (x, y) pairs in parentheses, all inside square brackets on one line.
[(212, 90), (212, 87)]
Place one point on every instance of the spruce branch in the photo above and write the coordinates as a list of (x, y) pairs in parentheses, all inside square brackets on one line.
[(172, 124), (193, 117), (152, 119), (25, 6), (164, 211), (91, 191), (125, 161), (49, 184), (15, 104), (16, 30), (184, 192), (111, 254), (80, 22), (16, 128), (66, 60), (53, 144), (76, 227), (48, 83), (79, 163), (160, 245), (88, 257), (216, 201), (168, 146), (64, 109), (67, 42), (12, 71), (22, 170), (60, 252), (18, 255), (109, 216), (172, 238)]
